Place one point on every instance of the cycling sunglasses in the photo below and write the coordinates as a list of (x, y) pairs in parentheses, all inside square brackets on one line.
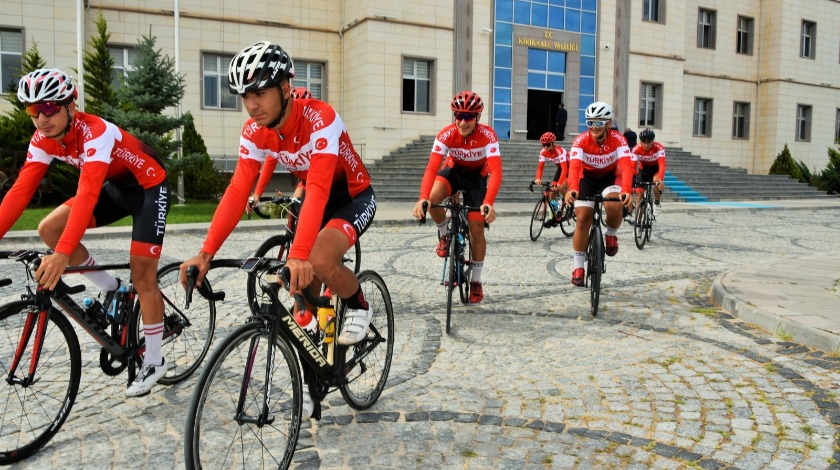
[(464, 116), (48, 108), (548, 145), (596, 124)]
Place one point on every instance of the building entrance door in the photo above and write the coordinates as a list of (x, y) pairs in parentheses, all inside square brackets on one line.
[(542, 108)]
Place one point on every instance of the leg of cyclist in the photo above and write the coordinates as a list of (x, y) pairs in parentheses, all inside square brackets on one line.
[(613, 213), (479, 251), (580, 241), (440, 190)]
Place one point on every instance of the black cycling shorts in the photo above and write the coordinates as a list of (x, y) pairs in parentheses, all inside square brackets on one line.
[(471, 182)]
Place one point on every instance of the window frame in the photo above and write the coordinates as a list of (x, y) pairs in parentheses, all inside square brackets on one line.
[(706, 32), (804, 115), (316, 86), (837, 127), (430, 89), (13, 79), (645, 101), (126, 61), (222, 62), (742, 117), (653, 11), (702, 116), (808, 39), (742, 36)]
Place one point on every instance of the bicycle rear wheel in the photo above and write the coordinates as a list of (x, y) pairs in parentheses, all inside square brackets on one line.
[(641, 222), (275, 247), (368, 362), (220, 434), (187, 333), (30, 415), (650, 219), (568, 221), (353, 258), (538, 218), (594, 266)]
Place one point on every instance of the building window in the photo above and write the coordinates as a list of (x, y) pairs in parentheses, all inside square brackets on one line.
[(744, 41), (417, 85), (215, 92), (311, 76), (11, 50), (706, 20), (124, 58), (650, 104), (808, 40), (654, 11), (741, 120), (803, 123), (702, 117)]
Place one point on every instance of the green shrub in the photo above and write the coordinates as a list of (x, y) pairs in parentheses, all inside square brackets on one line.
[(786, 165), (829, 179)]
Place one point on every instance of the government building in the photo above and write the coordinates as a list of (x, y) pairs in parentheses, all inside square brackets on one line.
[(731, 81)]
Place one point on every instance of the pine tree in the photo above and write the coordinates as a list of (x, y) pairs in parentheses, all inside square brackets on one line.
[(201, 179), (786, 165), (829, 179), (16, 127), (147, 91), (99, 68)]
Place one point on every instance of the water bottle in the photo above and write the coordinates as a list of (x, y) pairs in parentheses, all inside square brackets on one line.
[(554, 206), (325, 321), (116, 307), (309, 323), (93, 309)]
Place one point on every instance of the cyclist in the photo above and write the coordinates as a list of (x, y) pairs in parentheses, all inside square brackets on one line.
[(120, 176), (595, 159), (651, 157), (309, 138), (474, 164), (554, 153), (302, 93)]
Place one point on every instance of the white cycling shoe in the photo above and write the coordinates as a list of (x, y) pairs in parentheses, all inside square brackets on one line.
[(355, 327)]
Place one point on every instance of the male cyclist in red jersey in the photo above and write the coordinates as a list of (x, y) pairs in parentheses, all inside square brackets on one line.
[(120, 176), (554, 153), (651, 157), (595, 159), (310, 139), (474, 164)]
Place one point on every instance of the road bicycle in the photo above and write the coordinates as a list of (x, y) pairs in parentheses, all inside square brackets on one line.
[(245, 411), (272, 207), (644, 216), (563, 215), (457, 266), (596, 251), (277, 247), (41, 359)]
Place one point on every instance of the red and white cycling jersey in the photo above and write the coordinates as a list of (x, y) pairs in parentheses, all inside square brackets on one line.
[(652, 157), (559, 156), (478, 151), (599, 160), (102, 151), (314, 146)]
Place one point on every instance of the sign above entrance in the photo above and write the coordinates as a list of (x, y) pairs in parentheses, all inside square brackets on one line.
[(548, 42)]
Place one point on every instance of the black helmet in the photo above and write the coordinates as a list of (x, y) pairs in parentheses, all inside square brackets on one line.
[(647, 136)]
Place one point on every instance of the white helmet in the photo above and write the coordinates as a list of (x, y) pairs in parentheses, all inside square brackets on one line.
[(599, 110), (46, 85), (260, 65)]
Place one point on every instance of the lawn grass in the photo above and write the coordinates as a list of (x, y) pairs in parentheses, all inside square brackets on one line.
[(191, 212)]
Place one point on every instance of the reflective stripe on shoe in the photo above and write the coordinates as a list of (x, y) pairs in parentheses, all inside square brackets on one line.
[(308, 405), (146, 379), (355, 327)]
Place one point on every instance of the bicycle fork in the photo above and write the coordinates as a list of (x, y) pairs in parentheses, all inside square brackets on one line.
[(35, 320), (264, 418)]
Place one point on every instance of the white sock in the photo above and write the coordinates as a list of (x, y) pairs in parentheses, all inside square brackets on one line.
[(101, 279), (580, 259), (611, 231), (476, 270), (442, 228), (154, 337)]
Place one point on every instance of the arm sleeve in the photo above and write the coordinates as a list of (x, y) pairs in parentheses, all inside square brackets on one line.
[(540, 166), (15, 201), (322, 167), (232, 205), (626, 165), (575, 173), (91, 180), (432, 169), (662, 166), (494, 179), (266, 173)]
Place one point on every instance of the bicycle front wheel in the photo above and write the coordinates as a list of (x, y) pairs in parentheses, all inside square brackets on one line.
[(451, 277), (538, 219), (231, 423), (641, 222), (368, 362), (31, 414), (650, 219), (275, 247), (465, 272), (568, 221), (594, 266)]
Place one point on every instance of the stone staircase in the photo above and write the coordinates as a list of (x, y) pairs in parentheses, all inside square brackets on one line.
[(396, 178)]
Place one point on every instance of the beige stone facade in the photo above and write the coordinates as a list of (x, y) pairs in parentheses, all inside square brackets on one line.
[(362, 46)]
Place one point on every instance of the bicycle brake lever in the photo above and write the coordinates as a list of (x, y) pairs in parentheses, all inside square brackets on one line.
[(192, 276), (425, 208)]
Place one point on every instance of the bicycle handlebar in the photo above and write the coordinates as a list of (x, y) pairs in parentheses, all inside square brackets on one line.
[(192, 277), (451, 206), (544, 184)]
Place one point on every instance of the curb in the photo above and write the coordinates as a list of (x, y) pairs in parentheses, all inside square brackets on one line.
[(800, 333)]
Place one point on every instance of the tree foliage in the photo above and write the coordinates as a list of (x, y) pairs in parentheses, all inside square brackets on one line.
[(786, 165), (201, 179), (829, 178), (99, 68)]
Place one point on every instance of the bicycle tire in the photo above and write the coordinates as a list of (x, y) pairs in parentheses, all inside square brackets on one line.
[(538, 219), (465, 265), (274, 247), (187, 334), (641, 221), (650, 218), (594, 268), (568, 221), (451, 277), (213, 436), (263, 207), (32, 415), (366, 381)]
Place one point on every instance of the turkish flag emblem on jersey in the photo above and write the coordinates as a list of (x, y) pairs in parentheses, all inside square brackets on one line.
[(321, 144), (243, 150), (493, 150), (437, 148)]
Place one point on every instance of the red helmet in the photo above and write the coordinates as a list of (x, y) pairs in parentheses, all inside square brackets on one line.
[(467, 101), (301, 93), (548, 138)]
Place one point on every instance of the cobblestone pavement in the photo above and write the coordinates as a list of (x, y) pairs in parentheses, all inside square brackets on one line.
[(528, 379)]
